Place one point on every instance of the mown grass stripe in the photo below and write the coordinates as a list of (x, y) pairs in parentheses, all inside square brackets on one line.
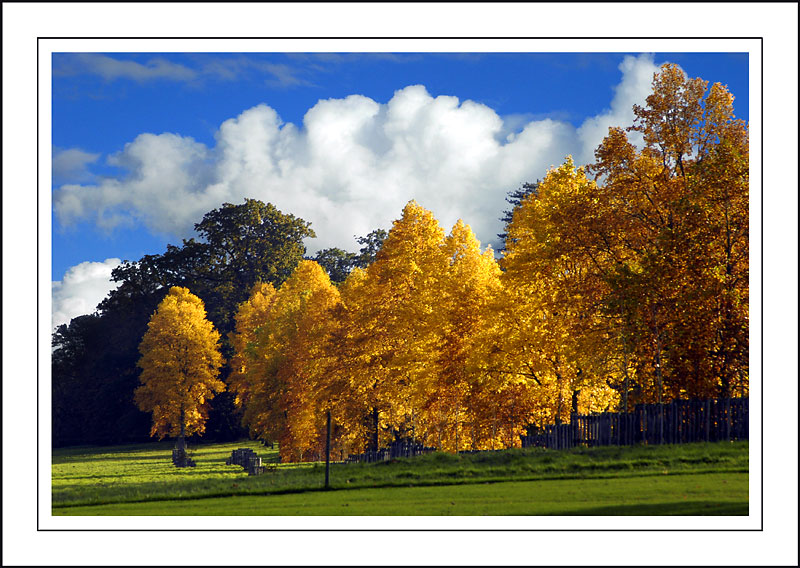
[(690, 494), (440, 483)]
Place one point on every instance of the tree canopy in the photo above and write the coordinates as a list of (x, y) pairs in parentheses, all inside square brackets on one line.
[(622, 281), (180, 364)]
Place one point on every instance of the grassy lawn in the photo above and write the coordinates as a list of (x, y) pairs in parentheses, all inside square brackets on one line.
[(705, 494), (692, 479)]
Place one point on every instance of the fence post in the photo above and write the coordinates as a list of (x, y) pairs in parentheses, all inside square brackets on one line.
[(328, 452), (728, 418), (673, 422)]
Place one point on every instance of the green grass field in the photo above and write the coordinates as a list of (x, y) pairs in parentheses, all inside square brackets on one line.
[(692, 479)]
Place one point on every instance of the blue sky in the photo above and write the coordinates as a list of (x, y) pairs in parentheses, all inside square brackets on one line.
[(145, 143)]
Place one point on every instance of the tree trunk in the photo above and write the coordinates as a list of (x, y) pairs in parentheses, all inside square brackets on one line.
[(328, 452), (474, 436), (560, 400), (413, 428), (575, 394), (456, 429), (660, 381), (625, 371), (181, 445), (179, 457), (375, 446)]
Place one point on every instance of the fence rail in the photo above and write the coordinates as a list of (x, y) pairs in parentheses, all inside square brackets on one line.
[(679, 422)]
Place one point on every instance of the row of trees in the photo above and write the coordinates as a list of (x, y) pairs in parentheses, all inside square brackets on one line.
[(622, 282), (639, 275), (631, 287), (385, 351)]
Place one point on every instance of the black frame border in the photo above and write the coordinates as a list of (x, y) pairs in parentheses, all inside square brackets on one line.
[(282, 38)]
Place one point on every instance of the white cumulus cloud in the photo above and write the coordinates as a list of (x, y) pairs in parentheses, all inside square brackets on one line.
[(637, 78), (351, 166), (82, 288)]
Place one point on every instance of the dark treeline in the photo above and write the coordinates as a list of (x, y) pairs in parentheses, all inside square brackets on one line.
[(94, 357)]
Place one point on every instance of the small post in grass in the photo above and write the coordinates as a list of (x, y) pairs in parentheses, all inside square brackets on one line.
[(328, 452)]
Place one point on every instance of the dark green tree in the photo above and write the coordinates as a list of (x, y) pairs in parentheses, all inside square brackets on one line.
[(372, 243), (252, 242), (337, 262), (93, 376), (236, 246), (514, 198)]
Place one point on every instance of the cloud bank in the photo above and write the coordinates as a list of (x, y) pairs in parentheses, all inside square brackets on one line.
[(351, 166), (72, 164), (83, 287)]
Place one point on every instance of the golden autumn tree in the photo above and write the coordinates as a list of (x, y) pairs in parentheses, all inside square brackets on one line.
[(246, 367), (307, 301), (455, 397), (674, 216), (396, 327), (545, 338), (722, 170), (348, 365), (283, 385), (180, 363)]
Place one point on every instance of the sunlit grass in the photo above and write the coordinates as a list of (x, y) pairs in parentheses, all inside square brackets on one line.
[(125, 474), (690, 494)]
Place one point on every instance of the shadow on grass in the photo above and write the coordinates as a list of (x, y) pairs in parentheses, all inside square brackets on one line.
[(691, 508), (198, 453)]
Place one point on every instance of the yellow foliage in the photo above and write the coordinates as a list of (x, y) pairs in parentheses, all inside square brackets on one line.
[(627, 288), (545, 335), (251, 315), (180, 363), (395, 325), (671, 229), (452, 413), (283, 359)]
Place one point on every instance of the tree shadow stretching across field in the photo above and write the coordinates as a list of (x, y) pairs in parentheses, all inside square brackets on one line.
[(692, 508)]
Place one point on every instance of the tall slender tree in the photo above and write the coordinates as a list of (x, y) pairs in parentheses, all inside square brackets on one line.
[(180, 363), (453, 405), (245, 366), (545, 337), (398, 335), (281, 378)]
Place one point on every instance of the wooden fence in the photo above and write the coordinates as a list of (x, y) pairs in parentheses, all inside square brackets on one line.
[(679, 422), (399, 449)]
